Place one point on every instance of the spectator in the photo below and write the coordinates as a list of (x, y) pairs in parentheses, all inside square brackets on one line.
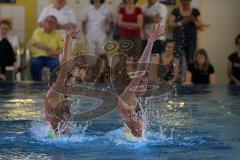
[(185, 21), (156, 12), (130, 21), (46, 45), (8, 48), (97, 24), (116, 28), (234, 64), (6, 33), (201, 72), (165, 66), (65, 16)]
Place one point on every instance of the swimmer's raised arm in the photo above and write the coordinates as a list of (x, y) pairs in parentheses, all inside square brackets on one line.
[(70, 35), (64, 65), (67, 47), (128, 105), (144, 60)]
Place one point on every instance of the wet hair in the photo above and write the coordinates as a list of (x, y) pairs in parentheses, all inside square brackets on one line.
[(135, 60), (202, 52), (119, 72), (237, 39), (92, 1), (103, 57), (91, 74), (6, 22)]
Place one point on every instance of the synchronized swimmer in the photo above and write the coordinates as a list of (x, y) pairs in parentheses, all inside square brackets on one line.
[(129, 108)]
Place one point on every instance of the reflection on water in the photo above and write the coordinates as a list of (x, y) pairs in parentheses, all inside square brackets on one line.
[(183, 125), (20, 109), (21, 101)]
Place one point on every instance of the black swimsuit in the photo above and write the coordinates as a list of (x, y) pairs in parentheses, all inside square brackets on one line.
[(165, 72)]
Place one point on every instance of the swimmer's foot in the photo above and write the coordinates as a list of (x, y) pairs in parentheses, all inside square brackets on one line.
[(128, 134), (51, 133)]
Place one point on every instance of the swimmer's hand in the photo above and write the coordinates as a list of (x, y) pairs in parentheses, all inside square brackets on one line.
[(51, 133), (156, 32), (72, 34)]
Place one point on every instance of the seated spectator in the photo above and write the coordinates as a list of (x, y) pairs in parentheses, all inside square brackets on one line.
[(201, 72), (6, 33), (66, 18), (165, 66), (7, 57), (46, 45), (8, 48), (155, 12), (97, 24), (234, 64)]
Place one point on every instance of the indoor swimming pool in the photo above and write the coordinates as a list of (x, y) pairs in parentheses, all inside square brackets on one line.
[(190, 123)]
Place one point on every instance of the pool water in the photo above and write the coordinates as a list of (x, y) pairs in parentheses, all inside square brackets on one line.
[(192, 122)]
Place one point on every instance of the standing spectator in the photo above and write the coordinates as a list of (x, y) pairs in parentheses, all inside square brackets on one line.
[(116, 28), (46, 45), (130, 20), (185, 21), (156, 12), (165, 66), (201, 72), (97, 24), (65, 16), (234, 64), (8, 47)]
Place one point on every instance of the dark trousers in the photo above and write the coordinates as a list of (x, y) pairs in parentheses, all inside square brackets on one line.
[(38, 63), (7, 55), (186, 43), (190, 48)]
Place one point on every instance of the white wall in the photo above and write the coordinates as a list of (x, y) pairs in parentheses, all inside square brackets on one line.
[(218, 39), (16, 14)]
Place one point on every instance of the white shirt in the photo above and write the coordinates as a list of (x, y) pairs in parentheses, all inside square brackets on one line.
[(13, 40), (155, 9), (97, 19), (64, 15)]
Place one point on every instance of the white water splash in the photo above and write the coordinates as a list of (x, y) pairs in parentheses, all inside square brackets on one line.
[(40, 131)]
